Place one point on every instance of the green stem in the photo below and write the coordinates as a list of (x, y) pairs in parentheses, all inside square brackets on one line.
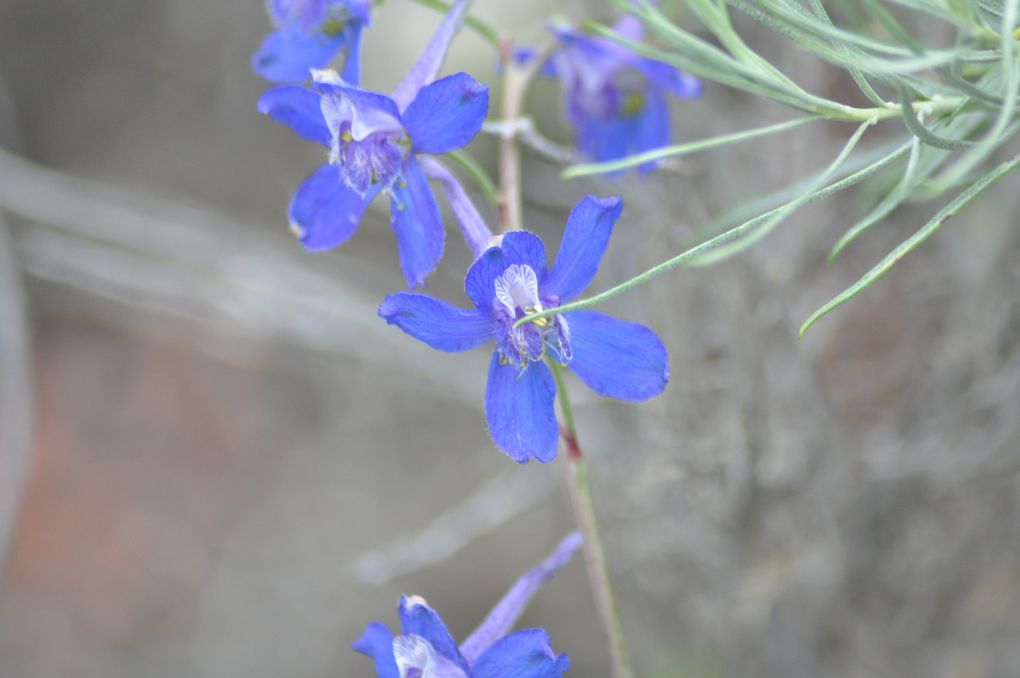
[(477, 173), (914, 240), (681, 149), (511, 204), (594, 556), (515, 87), (740, 236), (857, 115)]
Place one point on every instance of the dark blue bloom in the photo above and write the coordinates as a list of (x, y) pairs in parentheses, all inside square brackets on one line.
[(614, 358), (309, 34), (615, 100), (425, 648), (373, 142)]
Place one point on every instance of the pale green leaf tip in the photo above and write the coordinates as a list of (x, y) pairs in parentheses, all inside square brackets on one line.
[(807, 324)]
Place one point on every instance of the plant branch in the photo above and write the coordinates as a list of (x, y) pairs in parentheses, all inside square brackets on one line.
[(731, 241), (594, 556), (516, 79), (16, 392)]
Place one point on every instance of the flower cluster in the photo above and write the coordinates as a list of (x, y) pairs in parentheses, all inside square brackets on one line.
[(425, 648), (378, 143)]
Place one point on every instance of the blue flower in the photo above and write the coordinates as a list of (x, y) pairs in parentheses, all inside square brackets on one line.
[(373, 143), (615, 100), (310, 34), (511, 279), (425, 648)]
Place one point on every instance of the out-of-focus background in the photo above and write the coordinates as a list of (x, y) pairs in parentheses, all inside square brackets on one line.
[(236, 465)]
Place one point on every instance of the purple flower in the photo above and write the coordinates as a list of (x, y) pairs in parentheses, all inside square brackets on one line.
[(511, 279), (425, 648), (614, 99), (309, 34), (373, 143)]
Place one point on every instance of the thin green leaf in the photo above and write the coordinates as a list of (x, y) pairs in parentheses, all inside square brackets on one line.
[(924, 161), (913, 241), (854, 170), (716, 17), (765, 221), (922, 132), (885, 206), (997, 134), (855, 73), (739, 239), (891, 24), (478, 173), (639, 159), (732, 73)]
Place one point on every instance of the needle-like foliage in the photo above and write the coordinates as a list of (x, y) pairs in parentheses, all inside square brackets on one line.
[(951, 110)]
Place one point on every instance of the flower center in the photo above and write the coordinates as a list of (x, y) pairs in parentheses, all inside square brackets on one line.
[(417, 658), (517, 288), (517, 295), (368, 143), (376, 159)]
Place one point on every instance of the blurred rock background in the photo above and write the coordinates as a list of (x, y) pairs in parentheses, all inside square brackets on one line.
[(228, 442)]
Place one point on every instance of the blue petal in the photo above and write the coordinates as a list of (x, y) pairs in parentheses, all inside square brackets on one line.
[(417, 618), (437, 323), (525, 54), (584, 240), (367, 112), (280, 10), (299, 109), (446, 114), (288, 54), (604, 139), (630, 27), (523, 654), (377, 643), (670, 78), (480, 283), (361, 10), (523, 247), (307, 13), (651, 126), (416, 223), (587, 59), (352, 62), (617, 359), (515, 247), (519, 409), (325, 212), (510, 608)]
